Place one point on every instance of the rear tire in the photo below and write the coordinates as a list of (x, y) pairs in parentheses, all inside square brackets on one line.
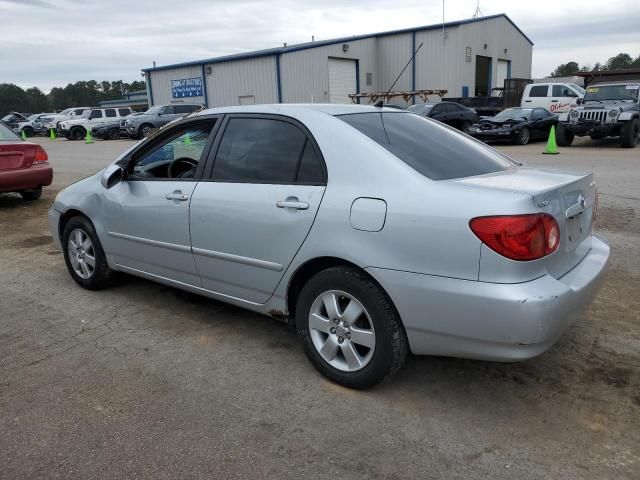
[(28, 131), (114, 134), (85, 260), (364, 321), (630, 133), (31, 194), (564, 137)]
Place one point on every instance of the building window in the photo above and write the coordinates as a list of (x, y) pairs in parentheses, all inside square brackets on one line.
[(467, 54), (369, 79)]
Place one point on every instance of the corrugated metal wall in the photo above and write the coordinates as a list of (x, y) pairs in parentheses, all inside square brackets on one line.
[(305, 73), (161, 84), (243, 78), (441, 63)]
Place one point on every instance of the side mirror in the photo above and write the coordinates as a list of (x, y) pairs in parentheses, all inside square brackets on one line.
[(111, 176), (579, 100)]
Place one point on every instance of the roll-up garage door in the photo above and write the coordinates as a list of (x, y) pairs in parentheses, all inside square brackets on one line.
[(503, 71), (342, 80)]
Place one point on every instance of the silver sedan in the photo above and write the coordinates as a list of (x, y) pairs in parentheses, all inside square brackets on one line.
[(375, 231)]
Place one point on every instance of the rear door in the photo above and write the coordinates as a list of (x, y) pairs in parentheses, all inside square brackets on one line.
[(265, 180)]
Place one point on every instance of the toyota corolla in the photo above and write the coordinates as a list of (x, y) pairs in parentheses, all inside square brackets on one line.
[(375, 231)]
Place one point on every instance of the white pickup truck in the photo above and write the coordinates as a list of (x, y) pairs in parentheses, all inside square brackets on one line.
[(555, 97)]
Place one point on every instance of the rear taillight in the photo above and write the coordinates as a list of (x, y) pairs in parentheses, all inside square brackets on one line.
[(518, 237), (41, 156)]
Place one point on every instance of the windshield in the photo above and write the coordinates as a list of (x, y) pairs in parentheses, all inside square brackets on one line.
[(153, 110), (513, 113), (434, 150), (33, 117), (577, 88), (612, 92), (66, 111), (6, 134)]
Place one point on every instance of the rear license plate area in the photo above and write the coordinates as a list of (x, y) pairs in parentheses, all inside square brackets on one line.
[(575, 231)]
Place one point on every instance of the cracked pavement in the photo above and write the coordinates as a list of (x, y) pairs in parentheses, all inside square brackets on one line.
[(144, 381)]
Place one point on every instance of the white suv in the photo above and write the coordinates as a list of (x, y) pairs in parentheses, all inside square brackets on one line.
[(76, 129)]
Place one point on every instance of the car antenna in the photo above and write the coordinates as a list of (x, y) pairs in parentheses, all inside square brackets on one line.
[(380, 103)]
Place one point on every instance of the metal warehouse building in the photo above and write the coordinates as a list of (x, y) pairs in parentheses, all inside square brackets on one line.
[(467, 58)]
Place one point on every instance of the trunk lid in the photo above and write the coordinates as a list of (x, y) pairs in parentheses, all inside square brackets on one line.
[(569, 197), (16, 155)]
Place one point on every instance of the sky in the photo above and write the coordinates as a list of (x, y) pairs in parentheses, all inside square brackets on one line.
[(47, 43)]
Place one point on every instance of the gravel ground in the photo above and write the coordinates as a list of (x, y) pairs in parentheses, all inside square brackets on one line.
[(144, 381)]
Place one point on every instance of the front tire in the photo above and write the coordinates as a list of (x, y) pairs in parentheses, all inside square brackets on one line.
[(630, 133), (144, 130), (28, 131), (524, 135), (84, 256), (564, 137), (466, 125), (77, 133), (349, 329)]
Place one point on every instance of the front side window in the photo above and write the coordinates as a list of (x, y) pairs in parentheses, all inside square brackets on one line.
[(434, 150), (184, 108), (539, 91), (95, 114), (259, 150), (174, 156), (168, 110), (110, 112), (562, 91)]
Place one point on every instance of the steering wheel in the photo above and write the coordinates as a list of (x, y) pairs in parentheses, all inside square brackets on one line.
[(190, 163)]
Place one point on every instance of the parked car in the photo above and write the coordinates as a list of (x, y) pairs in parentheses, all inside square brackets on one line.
[(288, 210), (555, 97), (141, 125), (24, 166), (76, 129), (66, 114), (12, 119), (107, 131), (516, 125), (453, 114), (506, 96), (34, 125), (609, 110)]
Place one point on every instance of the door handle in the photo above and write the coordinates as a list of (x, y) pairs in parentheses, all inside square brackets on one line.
[(177, 195), (527, 101), (554, 101), (292, 203)]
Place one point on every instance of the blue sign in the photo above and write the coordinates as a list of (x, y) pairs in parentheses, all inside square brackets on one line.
[(186, 87)]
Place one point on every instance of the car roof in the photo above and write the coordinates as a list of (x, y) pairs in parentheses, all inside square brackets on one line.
[(297, 108)]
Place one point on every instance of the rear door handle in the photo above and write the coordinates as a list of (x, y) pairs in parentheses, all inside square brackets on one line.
[(292, 203), (177, 195)]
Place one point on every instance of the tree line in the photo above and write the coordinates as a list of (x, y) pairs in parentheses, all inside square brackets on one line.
[(621, 61), (79, 94)]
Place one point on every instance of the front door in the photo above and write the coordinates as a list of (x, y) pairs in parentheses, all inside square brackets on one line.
[(147, 215), (252, 214)]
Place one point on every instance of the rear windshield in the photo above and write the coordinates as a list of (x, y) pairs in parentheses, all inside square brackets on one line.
[(7, 134), (432, 149)]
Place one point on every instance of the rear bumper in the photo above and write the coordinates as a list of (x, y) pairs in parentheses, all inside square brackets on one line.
[(490, 321), (32, 177)]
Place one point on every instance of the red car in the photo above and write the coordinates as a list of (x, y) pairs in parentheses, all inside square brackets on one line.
[(24, 166)]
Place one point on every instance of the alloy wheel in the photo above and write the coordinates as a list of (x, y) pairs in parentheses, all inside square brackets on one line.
[(341, 331), (81, 253)]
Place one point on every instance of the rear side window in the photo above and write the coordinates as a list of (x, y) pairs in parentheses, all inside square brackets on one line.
[(110, 112), (95, 114), (539, 91), (433, 150), (184, 108), (124, 112), (310, 169), (259, 150)]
